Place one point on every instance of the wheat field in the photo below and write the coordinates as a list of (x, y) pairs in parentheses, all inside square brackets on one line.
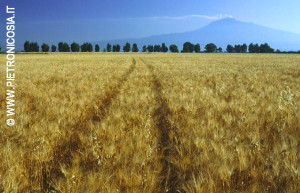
[(116, 122)]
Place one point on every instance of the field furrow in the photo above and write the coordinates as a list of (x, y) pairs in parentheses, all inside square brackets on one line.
[(63, 152), (165, 129)]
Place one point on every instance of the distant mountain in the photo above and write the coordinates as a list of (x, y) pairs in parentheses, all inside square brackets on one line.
[(222, 32)]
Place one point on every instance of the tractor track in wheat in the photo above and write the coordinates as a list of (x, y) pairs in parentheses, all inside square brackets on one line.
[(65, 149), (164, 127)]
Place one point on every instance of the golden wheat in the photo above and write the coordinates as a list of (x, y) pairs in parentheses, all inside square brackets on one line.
[(100, 122)]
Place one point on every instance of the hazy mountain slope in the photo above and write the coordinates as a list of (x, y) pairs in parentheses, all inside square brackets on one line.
[(223, 32)]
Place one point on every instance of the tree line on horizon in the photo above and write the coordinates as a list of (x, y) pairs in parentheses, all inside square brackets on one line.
[(188, 47)]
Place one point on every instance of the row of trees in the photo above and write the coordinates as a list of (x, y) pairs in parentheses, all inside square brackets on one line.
[(253, 48), (263, 48), (31, 47), (157, 48), (237, 48), (188, 47)]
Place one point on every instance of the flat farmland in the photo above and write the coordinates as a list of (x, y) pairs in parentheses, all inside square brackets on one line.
[(108, 122)]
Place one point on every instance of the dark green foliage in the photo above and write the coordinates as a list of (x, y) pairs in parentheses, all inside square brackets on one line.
[(114, 48), (188, 47), (118, 48), (240, 48), (157, 48), (135, 48), (173, 48), (63, 47), (197, 48), (229, 48), (86, 47), (210, 48), (244, 48), (288, 52), (53, 48), (108, 47), (256, 48), (127, 47), (60, 46), (144, 49), (164, 48), (34, 47), (150, 48), (66, 47), (75, 47), (27, 46), (265, 48), (90, 47), (31, 46), (97, 48), (237, 49), (251, 48), (45, 47)]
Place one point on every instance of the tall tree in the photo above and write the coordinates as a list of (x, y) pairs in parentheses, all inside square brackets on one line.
[(244, 48), (53, 48), (188, 47), (118, 48), (150, 48), (229, 48), (127, 47), (108, 47), (237, 48), (164, 48), (83, 47), (265, 48), (97, 48), (60, 46), (86, 47), (89, 47), (157, 48), (220, 50), (34, 47), (66, 47), (63, 47), (135, 48), (256, 48), (75, 47), (173, 48), (144, 48), (27, 46), (45, 47), (251, 48), (210, 48), (114, 48), (197, 48)]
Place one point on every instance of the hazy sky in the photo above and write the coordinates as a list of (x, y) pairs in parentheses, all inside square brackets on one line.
[(91, 20)]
